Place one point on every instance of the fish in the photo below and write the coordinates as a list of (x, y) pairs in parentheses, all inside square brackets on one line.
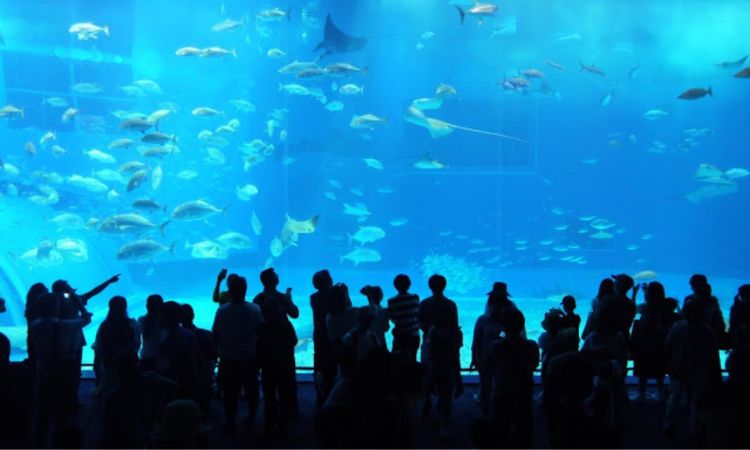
[(147, 204), (85, 31), (189, 51), (736, 172), (398, 222), (296, 67), (429, 163), (591, 69), (344, 69), (710, 191), (732, 64), (205, 111), (67, 221), (100, 156), (88, 88), (143, 250), (137, 179), (136, 124), (607, 99), (367, 235), (294, 89), (425, 104), (532, 73), (246, 192), (276, 53), (569, 37), (10, 111), (158, 115), (158, 152), (696, 93), (555, 65), (744, 73), (367, 121), (217, 51), (480, 10), (301, 226), (373, 163), (358, 209), (73, 250), (274, 14), (47, 138), (68, 115), (207, 250), (109, 175), (255, 224), (233, 240), (156, 177), (87, 183), (57, 102), (633, 74), (195, 210), (351, 89), (645, 275), (336, 41), (120, 143), (361, 255), (439, 128), (158, 137), (226, 25), (128, 223), (243, 105), (655, 114), (335, 106)]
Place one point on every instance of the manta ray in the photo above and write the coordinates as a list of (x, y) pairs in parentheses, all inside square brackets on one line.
[(439, 128), (336, 41)]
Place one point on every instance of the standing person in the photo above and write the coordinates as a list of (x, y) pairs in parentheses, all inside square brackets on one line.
[(440, 356), (379, 325), (117, 334), (648, 341), (513, 359), (571, 323), (56, 345), (620, 305), (235, 330), (179, 358), (204, 340), (606, 289), (739, 316), (324, 363), (36, 290), (403, 311), (73, 306), (149, 325), (219, 296), (709, 307), (276, 344), (486, 330)]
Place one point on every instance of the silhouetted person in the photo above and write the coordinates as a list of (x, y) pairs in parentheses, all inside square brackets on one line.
[(220, 296), (30, 313), (56, 345), (180, 427), (276, 347), (513, 359), (342, 316), (151, 331), (403, 311), (606, 289), (739, 315), (72, 306), (324, 363), (486, 330), (380, 324), (648, 341), (179, 358), (133, 404), (16, 393), (554, 341), (117, 334), (710, 310), (235, 329), (441, 360), (621, 306), (204, 340), (694, 371), (571, 321)]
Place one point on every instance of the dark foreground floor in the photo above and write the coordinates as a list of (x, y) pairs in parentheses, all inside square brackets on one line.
[(642, 430)]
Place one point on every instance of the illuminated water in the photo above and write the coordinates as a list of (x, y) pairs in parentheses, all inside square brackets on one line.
[(523, 212)]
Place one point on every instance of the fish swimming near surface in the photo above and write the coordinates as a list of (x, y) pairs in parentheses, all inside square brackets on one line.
[(696, 93), (336, 41), (732, 64)]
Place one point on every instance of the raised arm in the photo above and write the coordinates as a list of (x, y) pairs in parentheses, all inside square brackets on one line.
[(291, 309), (217, 287), (99, 289)]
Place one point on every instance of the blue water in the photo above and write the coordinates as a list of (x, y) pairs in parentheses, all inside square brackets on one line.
[(499, 209)]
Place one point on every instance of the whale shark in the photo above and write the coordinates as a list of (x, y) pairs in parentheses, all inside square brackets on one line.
[(336, 41)]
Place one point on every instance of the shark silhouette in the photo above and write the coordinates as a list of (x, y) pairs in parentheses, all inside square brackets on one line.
[(336, 41)]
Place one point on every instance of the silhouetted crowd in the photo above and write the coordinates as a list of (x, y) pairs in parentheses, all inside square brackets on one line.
[(157, 376)]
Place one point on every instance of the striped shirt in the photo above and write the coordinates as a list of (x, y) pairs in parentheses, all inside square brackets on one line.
[(403, 311)]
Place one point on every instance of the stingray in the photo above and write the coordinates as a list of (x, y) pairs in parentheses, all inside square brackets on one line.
[(336, 41), (439, 128)]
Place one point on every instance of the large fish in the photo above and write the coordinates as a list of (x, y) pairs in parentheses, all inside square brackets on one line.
[(480, 10), (195, 210), (336, 41), (128, 223), (696, 93), (141, 250)]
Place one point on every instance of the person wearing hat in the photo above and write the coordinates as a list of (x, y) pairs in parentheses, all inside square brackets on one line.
[(487, 329)]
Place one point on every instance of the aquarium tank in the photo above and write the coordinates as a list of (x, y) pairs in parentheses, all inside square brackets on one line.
[(547, 144)]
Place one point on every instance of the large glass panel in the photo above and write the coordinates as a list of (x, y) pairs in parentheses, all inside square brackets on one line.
[(547, 144)]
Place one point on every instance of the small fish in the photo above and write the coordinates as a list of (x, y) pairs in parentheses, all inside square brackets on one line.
[(68, 115), (30, 148), (189, 51), (87, 88), (696, 93), (47, 138), (57, 102), (217, 51), (10, 111), (351, 89), (607, 99), (591, 69), (374, 163), (655, 114), (85, 31), (633, 74), (556, 65), (732, 64), (335, 106), (276, 53), (206, 111), (226, 25)]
